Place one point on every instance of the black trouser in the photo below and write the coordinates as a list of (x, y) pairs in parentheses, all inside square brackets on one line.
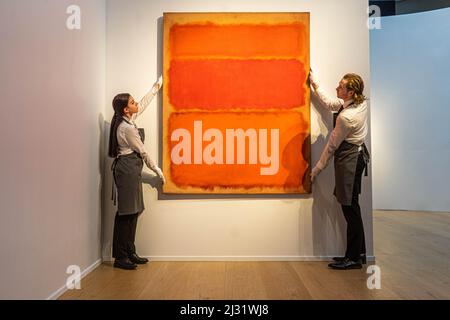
[(124, 235), (356, 243)]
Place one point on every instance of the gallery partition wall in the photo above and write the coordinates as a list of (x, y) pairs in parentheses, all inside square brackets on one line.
[(53, 91), (410, 70)]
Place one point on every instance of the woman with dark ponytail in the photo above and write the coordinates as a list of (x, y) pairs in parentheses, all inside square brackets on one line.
[(126, 145)]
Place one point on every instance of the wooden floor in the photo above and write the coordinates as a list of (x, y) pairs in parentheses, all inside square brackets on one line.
[(411, 248)]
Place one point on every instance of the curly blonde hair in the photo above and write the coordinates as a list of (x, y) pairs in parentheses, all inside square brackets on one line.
[(356, 84)]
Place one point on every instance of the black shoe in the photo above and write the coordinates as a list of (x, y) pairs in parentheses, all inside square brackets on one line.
[(124, 264), (340, 259), (346, 264), (138, 260)]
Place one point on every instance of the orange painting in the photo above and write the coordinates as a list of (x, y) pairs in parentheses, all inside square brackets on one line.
[(236, 117)]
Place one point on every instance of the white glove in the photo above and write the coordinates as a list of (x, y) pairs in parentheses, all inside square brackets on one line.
[(160, 174), (158, 84), (313, 80), (314, 173)]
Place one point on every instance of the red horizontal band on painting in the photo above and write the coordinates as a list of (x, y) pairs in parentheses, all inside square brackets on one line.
[(239, 41), (236, 84)]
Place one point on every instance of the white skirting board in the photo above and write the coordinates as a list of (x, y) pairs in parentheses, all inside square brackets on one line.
[(241, 258), (55, 295)]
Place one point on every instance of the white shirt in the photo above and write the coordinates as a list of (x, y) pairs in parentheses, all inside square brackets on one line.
[(128, 136), (351, 125)]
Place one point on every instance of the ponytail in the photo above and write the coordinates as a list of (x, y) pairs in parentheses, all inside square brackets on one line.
[(356, 84), (119, 103)]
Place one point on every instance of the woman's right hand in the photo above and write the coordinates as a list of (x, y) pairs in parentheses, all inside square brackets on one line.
[(157, 86)]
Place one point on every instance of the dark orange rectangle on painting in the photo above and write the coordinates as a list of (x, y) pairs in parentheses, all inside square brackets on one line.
[(237, 84), (289, 169), (242, 41)]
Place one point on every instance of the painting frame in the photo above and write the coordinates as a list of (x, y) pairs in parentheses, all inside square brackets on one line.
[(226, 19)]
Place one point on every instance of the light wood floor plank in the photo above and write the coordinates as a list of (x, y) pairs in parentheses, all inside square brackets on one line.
[(411, 248)]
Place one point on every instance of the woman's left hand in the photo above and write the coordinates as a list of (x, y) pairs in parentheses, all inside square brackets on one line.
[(160, 175)]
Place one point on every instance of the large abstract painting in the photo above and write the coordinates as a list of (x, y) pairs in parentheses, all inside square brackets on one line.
[(236, 108)]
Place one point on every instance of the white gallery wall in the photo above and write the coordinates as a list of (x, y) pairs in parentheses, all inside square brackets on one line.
[(297, 228), (52, 87), (411, 111)]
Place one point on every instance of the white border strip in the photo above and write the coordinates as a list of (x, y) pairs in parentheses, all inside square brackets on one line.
[(241, 258), (58, 293)]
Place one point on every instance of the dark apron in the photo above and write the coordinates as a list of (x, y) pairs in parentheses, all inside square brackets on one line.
[(345, 161), (127, 172)]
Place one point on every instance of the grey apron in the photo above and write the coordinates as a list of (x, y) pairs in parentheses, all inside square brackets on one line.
[(127, 172), (345, 161)]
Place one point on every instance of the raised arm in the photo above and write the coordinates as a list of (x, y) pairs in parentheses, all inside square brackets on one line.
[(145, 101), (332, 104)]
